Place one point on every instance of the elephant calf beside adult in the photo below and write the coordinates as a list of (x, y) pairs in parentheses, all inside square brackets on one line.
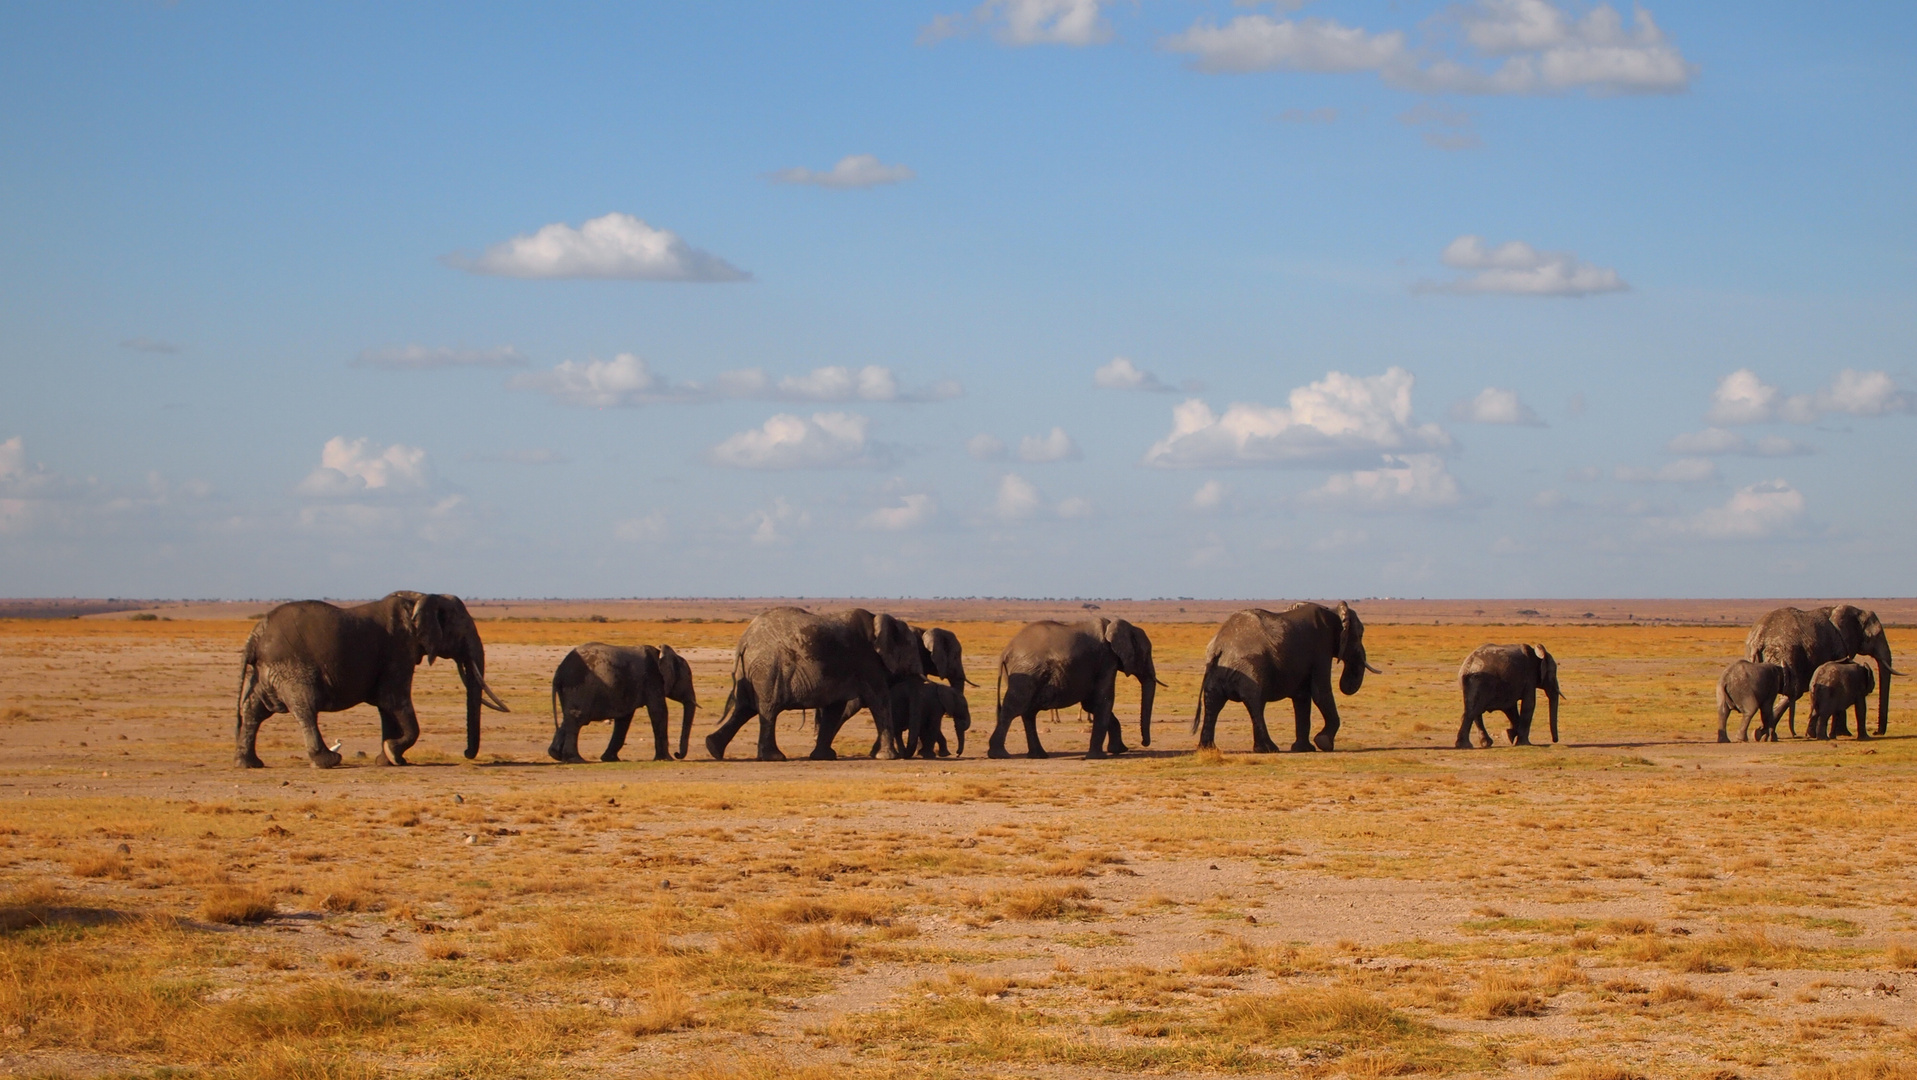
[(1054, 665), (310, 657), (1802, 641), (1836, 688), (1506, 679), (1749, 689), (1258, 657), (611, 682)]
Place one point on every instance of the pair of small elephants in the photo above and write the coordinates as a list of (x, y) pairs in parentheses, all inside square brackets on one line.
[(1793, 651)]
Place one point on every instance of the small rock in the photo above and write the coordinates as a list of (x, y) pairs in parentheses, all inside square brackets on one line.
[(124, 850), (1214, 866), (472, 838), (665, 883), (459, 798), (286, 783)]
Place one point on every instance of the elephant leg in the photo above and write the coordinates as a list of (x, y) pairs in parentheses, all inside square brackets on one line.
[(1790, 713), (1260, 734), (620, 726), (316, 749), (769, 736), (1301, 720), (661, 722), (1723, 724), (247, 732), (1212, 700), (826, 723), (1838, 723), (399, 718), (1473, 714), (1516, 721), (1012, 705), (1033, 748), (1863, 730), (1328, 708), (745, 706)]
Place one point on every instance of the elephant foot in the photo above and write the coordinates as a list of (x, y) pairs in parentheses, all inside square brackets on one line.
[(1487, 743), (1722, 737), (886, 753), (248, 761), (1880, 729), (1324, 741), (1521, 740), (1037, 753), (1266, 747), (1096, 754), (771, 754), (555, 753), (824, 753), (325, 759), (716, 747), (609, 756), (996, 751), (1461, 744), (1302, 746), (945, 753), (1862, 735)]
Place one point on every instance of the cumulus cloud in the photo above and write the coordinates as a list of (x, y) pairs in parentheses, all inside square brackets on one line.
[(1017, 498), (1209, 496), (1752, 513), (834, 440), (1404, 482), (1053, 446), (1693, 470), (149, 345), (1522, 47), (1120, 373), (1495, 406), (359, 466), (852, 171), (614, 246), (1519, 269), (1717, 440), (983, 447), (624, 380), (1027, 22), (773, 526), (1338, 418), (421, 357), (1743, 398), (835, 383), (912, 511)]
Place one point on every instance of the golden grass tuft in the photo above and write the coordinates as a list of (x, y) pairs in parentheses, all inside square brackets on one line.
[(1901, 955), (1503, 996), (101, 864), (667, 1008), (438, 948), (1869, 1067), (234, 905), (1596, 1070), (1322, 1013), (355, 892), (1047, 902), (327, 1010)]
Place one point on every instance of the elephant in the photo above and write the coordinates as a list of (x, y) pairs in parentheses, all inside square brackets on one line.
[(309, 657), (940, 655), (789, 658), (611, 682), (1749, 689), (1052, 665), (1836, 688), (1804, 640), (928, 704), (1506, 679), (1260, 656)]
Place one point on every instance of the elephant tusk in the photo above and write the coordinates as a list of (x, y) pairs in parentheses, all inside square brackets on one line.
[(1373, 669), (335, 747), (1162, 683), (491, 699)]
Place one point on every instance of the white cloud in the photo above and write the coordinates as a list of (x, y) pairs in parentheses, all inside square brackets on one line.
[(983, 447), (642, 530), (149, 345), (1209, 496), (869, 383), (1527, 47), (1752, 513), (358, 466), (1077, 506), (418, 357), (1442, 127), (852, 171), (912, 511), (13, 458), (1121, 374), (1028, 22), (773, 526), (833, 440), (1055, 446), (614, 246), (1404, 482), (1693, 470), (624, 380), (1495, 406), (1338, 418), (1519, 269), (1017, 498), (1717, 440), (1743, 398)]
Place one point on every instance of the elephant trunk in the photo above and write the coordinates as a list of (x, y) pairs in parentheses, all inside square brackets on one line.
[(1553, 696), (1882, 655), (1353, 676), (472, 672), (1147, 692)]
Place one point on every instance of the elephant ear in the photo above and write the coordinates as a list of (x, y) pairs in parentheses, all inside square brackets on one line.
[(433, 627), (678, 674), (1129, 643), (1351, 650), (897, 646), (947, 655)]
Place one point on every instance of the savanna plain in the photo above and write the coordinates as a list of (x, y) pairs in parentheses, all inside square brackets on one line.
[(1636, 901)]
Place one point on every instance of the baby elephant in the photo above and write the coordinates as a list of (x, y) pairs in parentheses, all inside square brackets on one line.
[(921, 710), (609, 682), (1506, 679), (1836, 687), (1748, 688)]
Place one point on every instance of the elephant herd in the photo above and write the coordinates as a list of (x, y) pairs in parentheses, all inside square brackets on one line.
[(310, 657)]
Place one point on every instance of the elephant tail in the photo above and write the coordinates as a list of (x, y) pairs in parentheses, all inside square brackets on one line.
[(249, 678), (998, 690), (1204, 681)]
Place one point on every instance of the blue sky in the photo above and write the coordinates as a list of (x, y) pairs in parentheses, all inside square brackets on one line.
[(1038, 297)]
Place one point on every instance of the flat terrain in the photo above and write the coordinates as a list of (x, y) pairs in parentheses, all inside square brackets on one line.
[(1635, 901)]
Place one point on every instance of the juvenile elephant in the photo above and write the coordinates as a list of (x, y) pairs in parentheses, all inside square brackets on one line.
[(1749, 689), (1836, 688), (1260, 656), (1803, 640), (940, 655), (1506, 679), (1053, 665), (789, 658), (611, 682), (309, 657), (928, 704)]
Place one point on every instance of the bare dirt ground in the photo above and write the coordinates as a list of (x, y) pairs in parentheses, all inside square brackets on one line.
[(1636, 901)]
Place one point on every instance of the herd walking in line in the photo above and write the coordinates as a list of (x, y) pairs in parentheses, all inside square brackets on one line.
[(311, 657)]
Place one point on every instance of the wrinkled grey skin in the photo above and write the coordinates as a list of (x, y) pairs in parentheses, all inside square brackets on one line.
[(1803, 640), (934, 702), (941, 656), (1836, 688), (1506, 679), (1258, 657), (1053, 665), (1749, 689), (611, 682), (790, 658), (309, 657)]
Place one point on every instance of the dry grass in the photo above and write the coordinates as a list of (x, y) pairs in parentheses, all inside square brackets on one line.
[(237, 904)]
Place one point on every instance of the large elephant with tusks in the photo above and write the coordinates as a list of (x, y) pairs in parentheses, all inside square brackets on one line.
[(789, 658), (1258, 657), (1802, 641), (310, 657)]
